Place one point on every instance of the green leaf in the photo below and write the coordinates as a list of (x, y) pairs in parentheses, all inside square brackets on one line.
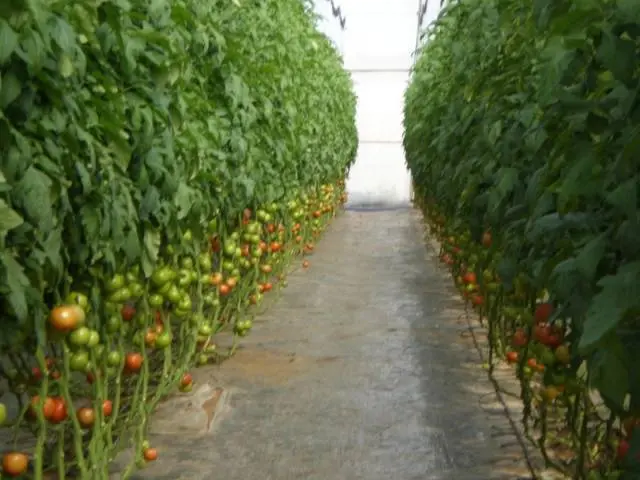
[(608, 374), (65, 66), (8, 41), (152, 241), (9, 219), (625, 197), (620, 293), (619, 56), (34, 195), (9, 89), (183, 200), (16, 283), (590, 256)]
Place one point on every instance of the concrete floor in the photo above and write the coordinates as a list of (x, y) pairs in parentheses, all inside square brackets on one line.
[(360, 371)]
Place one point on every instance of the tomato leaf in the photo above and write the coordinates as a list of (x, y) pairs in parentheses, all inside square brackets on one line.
[(589, 257), (15, 285), (608, 374), (151, 241), (9, 219), (8, 41), (619, 294)]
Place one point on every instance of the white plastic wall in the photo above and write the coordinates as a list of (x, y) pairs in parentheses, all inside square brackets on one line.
[(378, 45)]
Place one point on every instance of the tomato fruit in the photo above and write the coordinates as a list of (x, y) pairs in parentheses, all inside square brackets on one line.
[(543, 312), (187, 379), (162, 276), (14, 464), (128, 312), (133, 362), (59, 413), (67, 317), (86, 416), (107, 408), (156, 300), (79, 361), (80, 299), (163, 340), (114, 358), (47, 408), (79, 337), (623, 449)]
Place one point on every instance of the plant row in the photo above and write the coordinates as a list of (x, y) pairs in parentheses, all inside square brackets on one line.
[(522, 124), (162, 164)]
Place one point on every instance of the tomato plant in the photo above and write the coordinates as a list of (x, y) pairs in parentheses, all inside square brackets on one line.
[(521, 134), (158, 163)]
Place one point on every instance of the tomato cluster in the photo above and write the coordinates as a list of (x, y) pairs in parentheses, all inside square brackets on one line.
[(103, 356)]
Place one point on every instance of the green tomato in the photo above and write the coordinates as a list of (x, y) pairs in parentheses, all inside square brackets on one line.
[(184, 278), (114, 323), (163, 340), (209, 299), (114, 358), (230, 248), (213, 226), (180, 313), (187, 263), (137, 289), (115, 283), (174, 295), (205, 262), (156, 300), (94, 339), (187, 236), (79, 337), (205, 330), (79, 299), (185, 303), (79, 361), (162, 276), (121, 296)]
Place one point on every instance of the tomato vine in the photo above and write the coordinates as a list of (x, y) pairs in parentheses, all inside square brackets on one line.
[(522, 135), (162, 164)]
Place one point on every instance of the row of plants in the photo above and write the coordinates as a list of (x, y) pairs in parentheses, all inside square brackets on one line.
[(522, 129), (163, 165)]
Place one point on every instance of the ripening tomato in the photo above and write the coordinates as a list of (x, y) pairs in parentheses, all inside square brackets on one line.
[(512, 357), (543, 312), (133, 362), (187, 379), (150, 454), (14, 464), (107, 408), (86, 416), (67, 317), (128, 312), (59, 413), (519, 338)]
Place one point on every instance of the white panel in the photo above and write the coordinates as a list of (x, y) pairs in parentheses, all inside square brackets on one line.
[(380, 101), (380, 35), (379, 40), (379, 175)]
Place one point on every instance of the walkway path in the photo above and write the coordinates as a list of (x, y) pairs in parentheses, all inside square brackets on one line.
[(359, 371)]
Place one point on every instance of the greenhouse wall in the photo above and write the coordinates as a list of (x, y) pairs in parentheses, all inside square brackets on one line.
[(378, 42)]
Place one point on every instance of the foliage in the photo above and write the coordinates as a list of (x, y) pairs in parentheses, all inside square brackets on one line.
[(522, 122), (160, 161)]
